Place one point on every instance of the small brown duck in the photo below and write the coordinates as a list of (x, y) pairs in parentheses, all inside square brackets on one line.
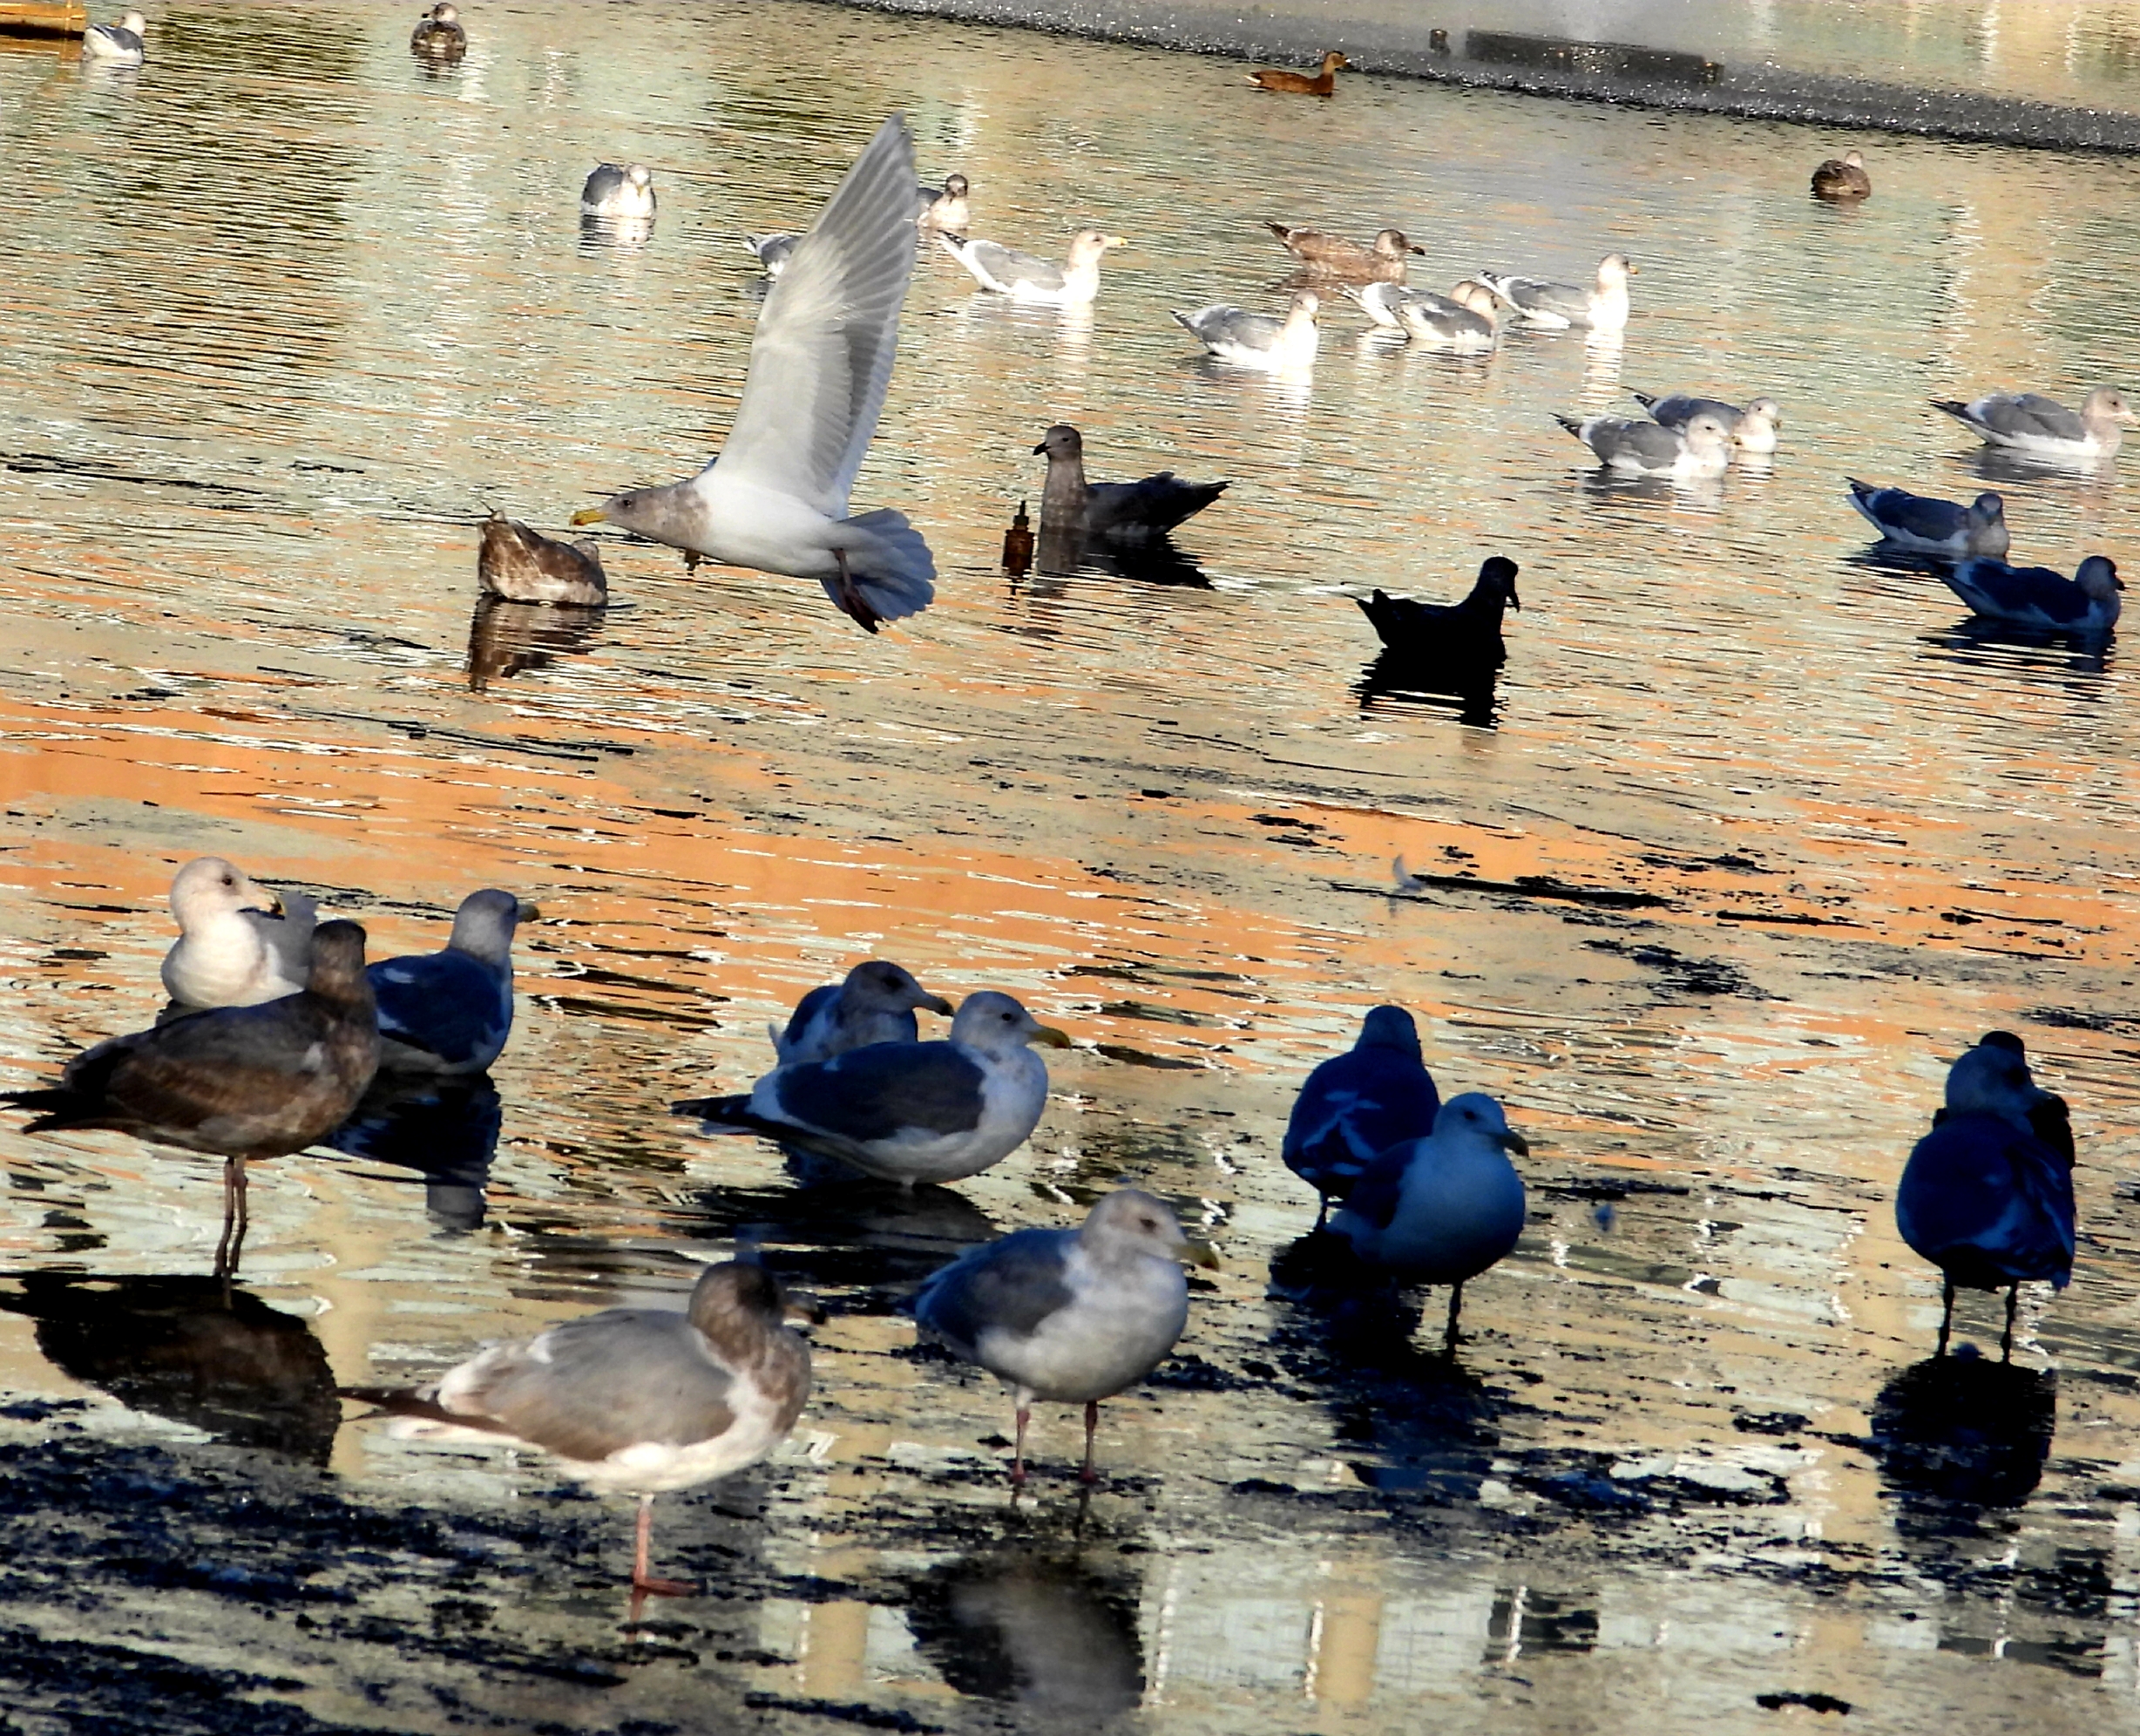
[(1381, 261), (1017, 545), (1301, 84), (1843, 178), (439, 34), (525, 566)]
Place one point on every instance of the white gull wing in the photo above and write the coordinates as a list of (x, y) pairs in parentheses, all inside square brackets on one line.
[(824, 351)]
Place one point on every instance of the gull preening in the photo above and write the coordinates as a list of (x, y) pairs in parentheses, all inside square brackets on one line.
[(522, 565), (621, 192), (1263, 342), (119, 44), (2033, 426), (1072, 1316), (2088, 603), (1357, 1105), (776, 498), (1752, 429), (1025, 278), (907, 1112), (1924, 526), (874, 1003), (238, 942), (1556, 307), (1381, 259), (1127, 512), (1651, 449), (450, 1011)]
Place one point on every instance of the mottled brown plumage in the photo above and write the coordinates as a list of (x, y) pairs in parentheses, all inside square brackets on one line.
[(525, 566), (1301, 84), (1843, 177), (1381, 261)]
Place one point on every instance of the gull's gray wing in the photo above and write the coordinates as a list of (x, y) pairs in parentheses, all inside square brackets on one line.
[(2032, 413), (878, 1092), (1657, 446), (1916, 515), (824, 351), (1678, 409), (1012, 1285), (446, 1004), (1535, 295), (1155, 504), (1008, 266), (1233, 325), (1375, 1195)]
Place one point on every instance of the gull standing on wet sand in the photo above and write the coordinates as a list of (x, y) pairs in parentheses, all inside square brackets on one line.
[(776, 498), (1024, 278), (633, 1400), (1556, 307), (2033, 426), (238, 943), (1072, 1316), (1262, 341), (875, 1003)]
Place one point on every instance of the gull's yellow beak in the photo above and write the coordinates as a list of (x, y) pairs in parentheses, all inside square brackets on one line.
[(275, 906), (1049, 1036), (1202, 1254), (1118, 240), (1634, 270), (589, 515)]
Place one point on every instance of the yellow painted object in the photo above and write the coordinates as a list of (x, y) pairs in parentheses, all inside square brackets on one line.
[(42, 17)]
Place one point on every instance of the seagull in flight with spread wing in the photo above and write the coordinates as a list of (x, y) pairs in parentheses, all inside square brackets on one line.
[(776, 498)]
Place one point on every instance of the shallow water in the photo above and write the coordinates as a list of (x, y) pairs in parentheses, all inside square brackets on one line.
[(303, 310)]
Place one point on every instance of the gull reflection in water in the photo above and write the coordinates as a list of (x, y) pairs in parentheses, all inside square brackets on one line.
[(839, 1230), (507, 639), (1032, 1628), (598, 234), (193, 1348), (1466, 690), (1156, 560), (446, 1129)]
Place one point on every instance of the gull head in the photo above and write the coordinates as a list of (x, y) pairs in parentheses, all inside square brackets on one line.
[(954, 187), (2098, 579), (736, 1292), (1854, 159), (1307, 304), (996, 1025), (1706, 434), (134, 22), (650, 511), (1616, 268), (1062, 441), (1088, 246), (1993, 1079), (1130, 1221), (338, 962), (445, 14), (2107, 404), (1392, 244), (881, 985), (1988, 509), (1389, 1028), (1477, 1116), (208, 887), (1478, 299), (483, 925), (1765, 409), (1498, 573), (640, 176)]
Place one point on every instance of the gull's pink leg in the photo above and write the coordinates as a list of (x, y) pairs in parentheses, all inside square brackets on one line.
[(1017, 1453), (1092, 1423), (852, 600), (643, 1581)]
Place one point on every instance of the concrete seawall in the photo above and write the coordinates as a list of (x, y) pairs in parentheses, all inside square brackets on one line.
[(2062, 75)]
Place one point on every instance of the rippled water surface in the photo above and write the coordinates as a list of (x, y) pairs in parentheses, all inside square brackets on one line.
[(290, 312)]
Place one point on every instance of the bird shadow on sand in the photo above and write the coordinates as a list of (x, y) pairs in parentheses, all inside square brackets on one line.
[(1958, 1436)]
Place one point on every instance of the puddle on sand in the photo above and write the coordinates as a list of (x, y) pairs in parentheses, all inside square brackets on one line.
[(1758, 838)]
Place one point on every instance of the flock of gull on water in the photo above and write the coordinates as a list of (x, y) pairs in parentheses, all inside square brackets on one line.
[(277, 1027)]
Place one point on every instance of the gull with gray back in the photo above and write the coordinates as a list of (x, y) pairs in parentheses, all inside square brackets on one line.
[(1557, 306), (1924, 526), (1025, 278), (616, 191), (2088, 603), (1641, 448), (1752, 429), (1357, 1105), (119, 44), (875, 1003), (450, 1011), (2032, 426), (1262, 341)]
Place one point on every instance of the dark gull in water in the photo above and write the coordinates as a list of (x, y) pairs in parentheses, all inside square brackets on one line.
[(1381, 261), (2033, 426), (522, 565), (614, 191), (1072, 1316), (1988, 1195), (1843, 178), (1357, 1105), (908, 1112), (820, 362), (451, 1012), (944, 207), (1024, 278), (772, 251), (438, 34), (1442, 1209), (238, 943), (1651, 449), (1466, 635), (1128, 512), (119, 44), (2036, 596), (875, 1003), (633, 1400), (1556, 307), (1752, 429), (1924, 526), (1260, 341), (235, 1082)]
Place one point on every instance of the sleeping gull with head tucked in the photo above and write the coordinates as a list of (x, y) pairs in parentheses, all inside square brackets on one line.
[(775, 499), (238, 943), (1357, 1105), (1752, 429), (1072, 1316), (451, 1012), (874, 1004), (2033, 426), (633, 1400), (1651, 449), (907, 1112), (2089, 602), (1924, 526), (1260, 341)]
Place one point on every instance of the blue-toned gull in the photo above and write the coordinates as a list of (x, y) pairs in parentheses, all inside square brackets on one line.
[(874, 1003), (1357, 1105), (2033, 426), (1925, 525), (451, 1012), (238, 943), (1988, 1195), (2089, 602), (1072, 1316)]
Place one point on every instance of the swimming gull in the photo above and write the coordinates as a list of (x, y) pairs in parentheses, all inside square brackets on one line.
[(1467, 320), (1380, 302), (2036, 596), (1072, 1316), (1357, 1105), (612, 191), (1259, 341), (1381, 259), (1024, 278), (908, 1112), (238, 943), (1988, 1195), (944, 207), (775, 499), (1466, 633), (119, 44), (237, 1082), (1843, 178), (450, 1011), (525, 566), (1128, 511), (2037, 427), (772, 251), (1752, 429), (1924, 526), (1651, 449), (1443, 1208), (1556, 307), (633, 1400), (438, 34), (1301, 84), (874, 1003)]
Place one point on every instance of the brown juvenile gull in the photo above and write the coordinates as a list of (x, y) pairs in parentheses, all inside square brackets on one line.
[(451, 1012), (776, 498), (633, 1400), (2034, 426), (438, 34), (1752, 429), (525, 566), (238, 943), (1555, 307), (907, 1112), (1383, 260), (1072, 1316), (236, 1082), (1128, 511), (1024, 278), (874, 1003), (944, 207), (1926, 525)]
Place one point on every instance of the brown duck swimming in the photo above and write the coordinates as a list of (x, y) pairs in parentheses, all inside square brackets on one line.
[(1301, 84), (525, 566), (1381, 261)]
